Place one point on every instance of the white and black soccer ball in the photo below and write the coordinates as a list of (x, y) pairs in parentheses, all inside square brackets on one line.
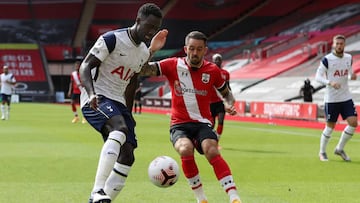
[(163, 171)]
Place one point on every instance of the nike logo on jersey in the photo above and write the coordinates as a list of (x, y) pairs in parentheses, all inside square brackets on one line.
[(121, 54)]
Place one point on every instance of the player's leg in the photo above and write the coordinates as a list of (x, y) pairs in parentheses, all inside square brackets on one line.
[(116, 180), (73, 108), (222, 170), (185, 148), (3, 106), (109, 152), (120, 172), (213, 114), (8, 102), (221, 117), (220, 126), (350, 116), (140, 106), (135, 106), (111, 124), (331, 115)]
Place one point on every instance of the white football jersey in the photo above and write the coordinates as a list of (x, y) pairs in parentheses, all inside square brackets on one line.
[(335, 69), (121, 58), (6, 88)]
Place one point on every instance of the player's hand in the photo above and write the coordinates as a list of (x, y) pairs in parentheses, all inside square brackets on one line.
[(335, 85), (93, 101), (231, 110), (158, 41)]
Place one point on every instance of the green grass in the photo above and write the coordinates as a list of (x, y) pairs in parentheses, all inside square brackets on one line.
[(45, 158)]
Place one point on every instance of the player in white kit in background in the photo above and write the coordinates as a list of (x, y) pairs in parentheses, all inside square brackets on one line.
[(7, 84), (334, 71)]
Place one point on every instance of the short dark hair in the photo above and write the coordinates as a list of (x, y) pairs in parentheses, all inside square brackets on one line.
[(339, 37), (149, 9), (195, 35)]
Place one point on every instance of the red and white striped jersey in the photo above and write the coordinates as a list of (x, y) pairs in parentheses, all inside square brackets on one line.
[(190, 89), (75, 78)]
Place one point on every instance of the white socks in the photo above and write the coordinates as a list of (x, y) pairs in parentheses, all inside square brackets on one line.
[(116, 180), (108, 156), (345, 137), (196, 186), (324, 140), (3, 111)]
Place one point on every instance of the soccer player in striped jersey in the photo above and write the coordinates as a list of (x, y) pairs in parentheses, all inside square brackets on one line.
[(108, 75), (191, 79), (334, 71)]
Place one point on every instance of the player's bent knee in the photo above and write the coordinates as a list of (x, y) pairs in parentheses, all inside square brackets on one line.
[(117, 136)]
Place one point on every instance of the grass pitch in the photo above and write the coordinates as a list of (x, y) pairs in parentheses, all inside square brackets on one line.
[(46, 158)]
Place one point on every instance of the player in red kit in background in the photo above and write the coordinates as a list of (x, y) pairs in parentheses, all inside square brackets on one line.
[(216, 102), (191, 79), (74, 92)]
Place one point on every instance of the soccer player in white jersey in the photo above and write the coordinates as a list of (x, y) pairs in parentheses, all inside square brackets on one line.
[(191, 79), (334, 71), (8, 81), (108, 75)]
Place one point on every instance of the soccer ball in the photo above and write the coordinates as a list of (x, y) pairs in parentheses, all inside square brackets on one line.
[(163, 171)]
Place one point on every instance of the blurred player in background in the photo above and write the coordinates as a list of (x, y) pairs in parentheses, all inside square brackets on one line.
[(217, 107), (74, 92), (109, 76), (7, 81), (191, 79), (138, 99), (334, 71)]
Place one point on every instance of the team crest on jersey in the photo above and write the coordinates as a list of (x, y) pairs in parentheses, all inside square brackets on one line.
[(205, 78)]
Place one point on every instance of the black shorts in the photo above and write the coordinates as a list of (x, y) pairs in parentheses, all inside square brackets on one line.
[(75, 97), (216, 108), (138, 96), (196, 132)]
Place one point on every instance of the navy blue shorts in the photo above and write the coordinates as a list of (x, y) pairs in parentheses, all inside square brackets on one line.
[(6, 98), (107, 109), (345, 109), (196, 132)]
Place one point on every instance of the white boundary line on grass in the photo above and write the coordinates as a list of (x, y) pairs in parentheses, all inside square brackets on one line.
[(354, 139)]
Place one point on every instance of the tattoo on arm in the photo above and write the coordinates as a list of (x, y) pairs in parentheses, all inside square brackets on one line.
[(149, 69)]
